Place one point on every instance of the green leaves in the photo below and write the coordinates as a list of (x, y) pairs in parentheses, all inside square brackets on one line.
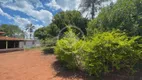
[(114, 48), (60, 21), (124, 15), (67, 49), (105, 52), (12, 31)]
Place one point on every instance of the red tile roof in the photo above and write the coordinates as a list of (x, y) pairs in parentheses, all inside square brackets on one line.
[(10, 38), (2, 32)]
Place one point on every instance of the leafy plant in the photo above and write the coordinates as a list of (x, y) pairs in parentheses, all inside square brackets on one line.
[(124, 15), (66, 49), (105, 52), (111, 51)]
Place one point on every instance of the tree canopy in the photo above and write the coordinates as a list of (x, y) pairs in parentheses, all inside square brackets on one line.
[(124, 15), (60, 21), (12, 30)]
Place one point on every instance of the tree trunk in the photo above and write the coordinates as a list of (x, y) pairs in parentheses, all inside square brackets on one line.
[(30, 35), (92, 11)]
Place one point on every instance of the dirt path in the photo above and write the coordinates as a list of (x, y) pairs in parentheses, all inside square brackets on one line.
[(29, 65)]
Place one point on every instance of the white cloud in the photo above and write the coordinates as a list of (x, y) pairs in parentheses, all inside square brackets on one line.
[(36, 3), (5, 14), (21, 22), (37, 26), (68, 4), (5, 1), (53, 5), (114, 0), (43, 15), (29, 7), (21, 5), (64, 4)]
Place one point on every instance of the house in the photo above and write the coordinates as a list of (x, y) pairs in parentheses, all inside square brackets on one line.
[(10, 43)]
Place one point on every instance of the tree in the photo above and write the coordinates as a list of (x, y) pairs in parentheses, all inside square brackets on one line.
[(74, 18), (47, 35), (125, 15), (93, 4), (30, 29), (41, 33), (12, 31), (60, 21), (47, 32)]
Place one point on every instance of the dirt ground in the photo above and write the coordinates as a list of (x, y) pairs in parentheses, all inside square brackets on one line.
[(34, 65), (31, 65)]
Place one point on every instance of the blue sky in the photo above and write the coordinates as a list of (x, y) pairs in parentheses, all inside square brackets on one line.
[(38, 12)]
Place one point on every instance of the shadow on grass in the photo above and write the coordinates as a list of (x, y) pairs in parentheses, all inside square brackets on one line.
[(77, 74)]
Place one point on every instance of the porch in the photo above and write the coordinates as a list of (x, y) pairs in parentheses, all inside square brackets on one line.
[(10, 45)]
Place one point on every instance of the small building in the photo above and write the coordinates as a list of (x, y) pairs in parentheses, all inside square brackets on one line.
[(10, 43), (15, 44)]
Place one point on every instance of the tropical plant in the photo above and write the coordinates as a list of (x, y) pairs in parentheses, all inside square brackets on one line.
[(93, 4), (30, 29)]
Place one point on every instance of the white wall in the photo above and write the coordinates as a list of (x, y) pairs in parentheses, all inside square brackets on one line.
[(21, 44), (30, 43)]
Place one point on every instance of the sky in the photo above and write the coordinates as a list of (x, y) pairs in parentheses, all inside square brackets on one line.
[(38, 12)]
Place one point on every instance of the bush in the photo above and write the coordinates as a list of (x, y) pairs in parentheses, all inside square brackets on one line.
[(66, 49), (110, 51), (105, 52)]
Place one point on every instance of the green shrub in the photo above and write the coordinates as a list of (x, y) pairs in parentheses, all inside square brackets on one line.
[(110, 51), (66, 49), (105, 52)]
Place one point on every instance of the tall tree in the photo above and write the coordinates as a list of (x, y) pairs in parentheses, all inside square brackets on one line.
[(41, 33), (125, 15), (93, 4), (30, 28), (60, 21), (74, 17), (47, 32)]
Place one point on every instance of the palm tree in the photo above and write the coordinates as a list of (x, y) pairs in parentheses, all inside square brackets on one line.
[(93, 4), (30, 29)]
